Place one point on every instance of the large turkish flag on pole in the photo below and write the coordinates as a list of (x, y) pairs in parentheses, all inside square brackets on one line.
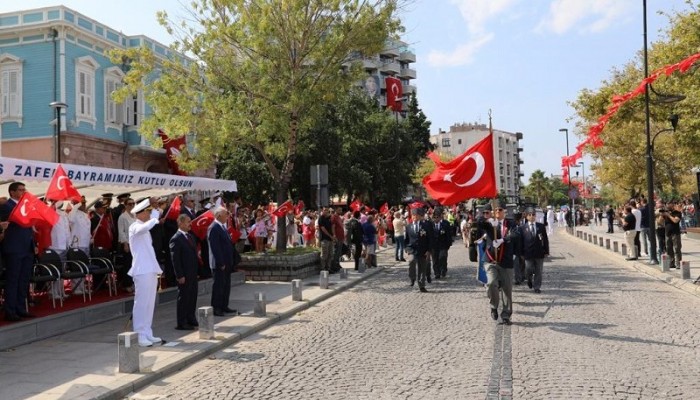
[(172, 149), (61, 188), (470, 175)]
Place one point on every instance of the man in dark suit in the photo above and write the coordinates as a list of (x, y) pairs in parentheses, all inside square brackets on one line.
[(18, 256), (441, 244), (183, 252), (419, 242), (535, 247), (221, 262), (188, 207), (499, 268)]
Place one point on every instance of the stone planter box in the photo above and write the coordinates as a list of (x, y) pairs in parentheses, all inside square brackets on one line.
[(275, 267)]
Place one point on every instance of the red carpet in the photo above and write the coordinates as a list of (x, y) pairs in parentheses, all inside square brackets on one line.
[(42, 303)]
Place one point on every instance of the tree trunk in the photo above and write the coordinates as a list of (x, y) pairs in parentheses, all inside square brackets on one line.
[(281, 236)]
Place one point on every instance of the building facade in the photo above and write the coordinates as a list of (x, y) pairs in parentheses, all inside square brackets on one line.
[(395, 61), (506, 152), (57, 55)]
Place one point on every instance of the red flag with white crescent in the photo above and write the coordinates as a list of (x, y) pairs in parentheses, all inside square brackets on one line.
[(61, 187), (472, 175), (201, 224), (394, 93), (172, 148), (356, 205), (174, 210), (30, 211), (283, 209)]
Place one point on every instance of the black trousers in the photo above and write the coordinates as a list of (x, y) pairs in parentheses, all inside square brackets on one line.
[(357, 254), (221, 290), (187, 301), (637, 244)]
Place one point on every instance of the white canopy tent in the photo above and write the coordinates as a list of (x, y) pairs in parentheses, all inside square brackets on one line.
[(92, 182)]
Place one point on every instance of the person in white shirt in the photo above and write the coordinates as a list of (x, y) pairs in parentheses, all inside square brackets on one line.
[(550, 220), (637, 227), (60, 243), (144, 270), (79, 223)]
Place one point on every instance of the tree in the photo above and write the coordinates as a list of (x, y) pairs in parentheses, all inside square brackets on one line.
[(539, 187), (259, 74)]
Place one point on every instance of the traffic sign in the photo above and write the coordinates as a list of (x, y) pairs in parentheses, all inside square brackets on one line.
[(573, 193)]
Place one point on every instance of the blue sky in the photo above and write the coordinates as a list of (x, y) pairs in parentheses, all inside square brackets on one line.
[(523, 59)]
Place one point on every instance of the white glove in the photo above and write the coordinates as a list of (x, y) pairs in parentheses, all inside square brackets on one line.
[(494, 223), (497, 243)]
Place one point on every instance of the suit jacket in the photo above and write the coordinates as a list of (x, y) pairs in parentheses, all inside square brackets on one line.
[(18, 240), (534, 245), (184, 255), (184, 210), (420, 241), (220, 247), (443, 235), (503, 254)]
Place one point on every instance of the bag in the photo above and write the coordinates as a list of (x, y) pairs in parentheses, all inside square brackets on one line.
[(473, 254)]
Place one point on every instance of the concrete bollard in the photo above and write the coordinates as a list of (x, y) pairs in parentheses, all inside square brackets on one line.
[(296, 290), (260, 308), (600, 242), (590, 238), (595, 240), (323, 280), (615, 247), (685, 269), (665, 263), (128, 352), (607, 244), (343, 273), (205, 317), (623, 249)]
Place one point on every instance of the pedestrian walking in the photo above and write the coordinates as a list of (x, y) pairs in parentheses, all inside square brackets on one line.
[(535, 247), (441, 244), (499, 269), (628, 222), (419, 238)]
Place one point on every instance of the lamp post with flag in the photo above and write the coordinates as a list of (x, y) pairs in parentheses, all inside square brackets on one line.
[(58, 106), (568, 177)]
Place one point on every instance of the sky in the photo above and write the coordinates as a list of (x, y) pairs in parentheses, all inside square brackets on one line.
[(521, 59)]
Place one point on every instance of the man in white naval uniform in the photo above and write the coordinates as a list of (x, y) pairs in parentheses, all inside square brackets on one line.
[(145, 271)]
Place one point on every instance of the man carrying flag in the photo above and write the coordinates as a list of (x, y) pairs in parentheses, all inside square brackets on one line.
[(18, 254)]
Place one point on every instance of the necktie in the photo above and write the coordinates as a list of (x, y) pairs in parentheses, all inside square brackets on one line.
[(415, 227), (532, 228)]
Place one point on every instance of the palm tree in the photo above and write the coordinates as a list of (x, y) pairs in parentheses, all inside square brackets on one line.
[(539, 186)]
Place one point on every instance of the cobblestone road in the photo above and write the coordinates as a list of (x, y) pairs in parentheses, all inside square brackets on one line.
[(598, 330)]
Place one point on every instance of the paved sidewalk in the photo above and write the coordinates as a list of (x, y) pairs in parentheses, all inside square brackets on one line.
[(690, 250), (83, 364)]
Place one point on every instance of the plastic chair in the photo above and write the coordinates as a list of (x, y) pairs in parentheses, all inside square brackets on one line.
[(67, 269), (106, 257), (44, 273), (96, 266)]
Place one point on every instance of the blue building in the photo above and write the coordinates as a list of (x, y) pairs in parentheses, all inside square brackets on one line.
[(56, 54)]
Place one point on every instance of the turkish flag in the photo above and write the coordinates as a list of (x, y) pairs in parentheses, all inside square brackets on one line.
[(103, 235), (394, 93), (31, 211), (299, 207), (233, 230), (174, 210), (356, 205), (201, 224), (470, 175), (384, 208), (172, 149), (283, 209), (416, 204), (61, 188)]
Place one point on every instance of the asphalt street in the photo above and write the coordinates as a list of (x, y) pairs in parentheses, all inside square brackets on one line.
[(598, 330)]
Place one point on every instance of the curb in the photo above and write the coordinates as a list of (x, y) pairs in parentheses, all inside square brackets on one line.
[(266, 322), (685, 285)]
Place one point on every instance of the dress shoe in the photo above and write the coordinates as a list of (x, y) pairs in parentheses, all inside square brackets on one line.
[(230, 310), (219, 313), (12, 317), (529, 282), (145, 343), (631, 258), (155, 340), (194, 324), (184, 328), (506, 321), (402, 259), (424, 290), (413, 282), (494, 314), (24, 314), (538, 291), (430, 280)]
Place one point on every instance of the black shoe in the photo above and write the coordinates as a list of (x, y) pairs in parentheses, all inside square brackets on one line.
[(518, 283), (506, 321), (12, 317), (194, 324), (631, 258), (219, 313), (230, 310), (24, 314), (494, 314), (424, 290), (430, 280), (184, 328), (397, 259), (402, 259), (529, 282), (413, 282), (538, 291)]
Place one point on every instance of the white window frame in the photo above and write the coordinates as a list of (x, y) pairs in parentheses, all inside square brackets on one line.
[(86, 66), (115, 113), (10, 102)]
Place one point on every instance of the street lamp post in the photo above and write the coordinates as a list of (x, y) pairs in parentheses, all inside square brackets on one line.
[(568, 170), (57, 105), (585, 184)]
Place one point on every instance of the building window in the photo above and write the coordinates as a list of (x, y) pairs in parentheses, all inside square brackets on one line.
[(459, 141), (114, 111), (85, 68), (11, 88), (445, 142), (133, 109)]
